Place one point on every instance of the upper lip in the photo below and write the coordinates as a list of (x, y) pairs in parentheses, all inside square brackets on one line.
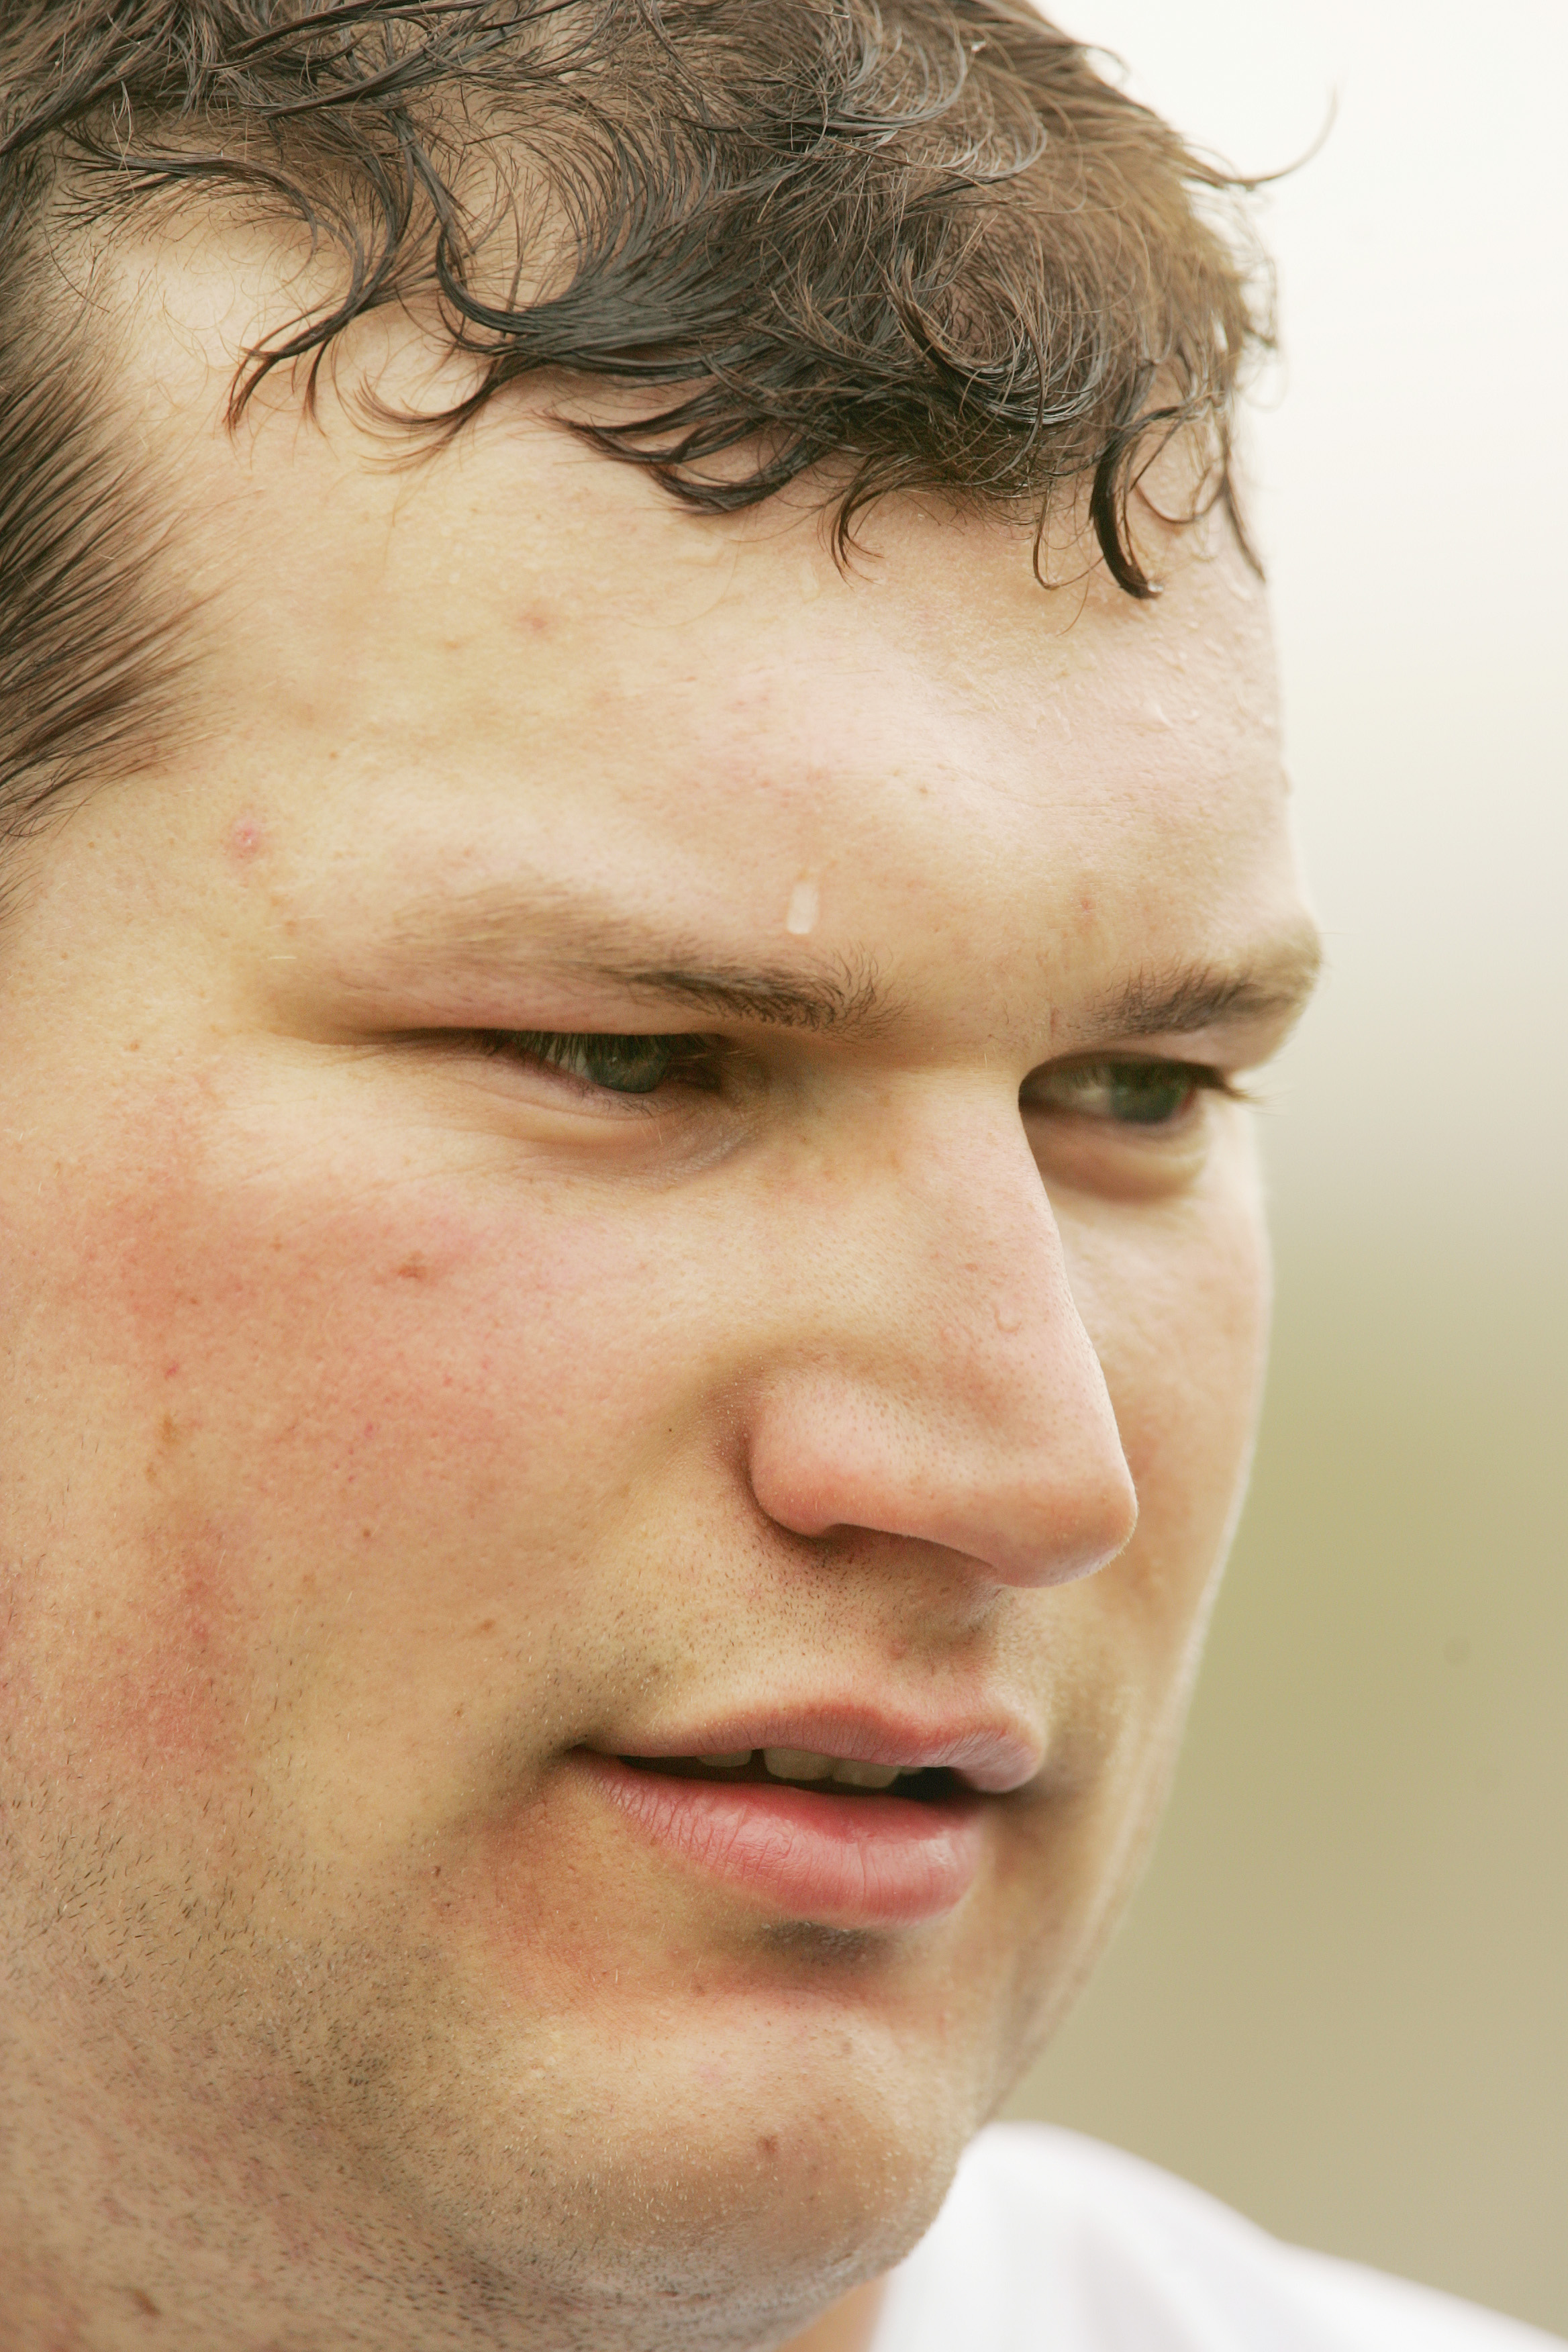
[(989, 1750)]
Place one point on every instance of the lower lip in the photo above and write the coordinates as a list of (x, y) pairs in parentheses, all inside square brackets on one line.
[(837, 1861)]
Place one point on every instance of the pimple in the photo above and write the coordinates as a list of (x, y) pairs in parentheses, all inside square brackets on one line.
[(247, 840)]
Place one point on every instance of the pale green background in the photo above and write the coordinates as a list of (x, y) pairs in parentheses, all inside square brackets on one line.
[(1338, 2001)]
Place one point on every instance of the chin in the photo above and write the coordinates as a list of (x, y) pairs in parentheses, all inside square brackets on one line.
[(713, 2173)]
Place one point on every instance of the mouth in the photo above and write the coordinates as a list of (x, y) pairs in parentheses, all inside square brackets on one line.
[(808, 1836)]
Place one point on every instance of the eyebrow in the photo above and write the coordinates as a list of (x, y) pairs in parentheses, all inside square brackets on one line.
[(1181, 1000), (1178, 1002), (846, 999), (843, 996)]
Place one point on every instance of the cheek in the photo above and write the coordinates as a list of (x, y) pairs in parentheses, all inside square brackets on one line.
[(131, 1651), (298, 1436), (166, 1672), (1176, 1301)]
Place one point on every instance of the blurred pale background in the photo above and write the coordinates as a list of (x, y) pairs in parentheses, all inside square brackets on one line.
[(1338, 2001)]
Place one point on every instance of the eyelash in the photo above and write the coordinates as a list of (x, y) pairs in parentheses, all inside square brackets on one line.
[(1125, 1071), (692, 1059)]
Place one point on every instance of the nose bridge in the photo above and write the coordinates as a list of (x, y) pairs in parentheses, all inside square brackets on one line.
[(937, 1381), (956, 1239)]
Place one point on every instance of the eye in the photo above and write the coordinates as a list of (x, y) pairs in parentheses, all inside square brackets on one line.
[(1124, 1093), (619, 1066)]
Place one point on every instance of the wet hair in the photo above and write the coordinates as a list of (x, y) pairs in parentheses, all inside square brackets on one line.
[(887, 244)]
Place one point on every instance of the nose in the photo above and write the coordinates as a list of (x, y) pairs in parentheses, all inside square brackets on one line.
[(931, 1377)]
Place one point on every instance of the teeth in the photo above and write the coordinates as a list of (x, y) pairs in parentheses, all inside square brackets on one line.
[(797, 1763), (866, 1776), (805, 1764)]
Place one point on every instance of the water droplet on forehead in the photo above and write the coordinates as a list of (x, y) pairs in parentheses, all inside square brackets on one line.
[(804, 904)]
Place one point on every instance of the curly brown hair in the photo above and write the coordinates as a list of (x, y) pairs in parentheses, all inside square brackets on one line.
[(897, 245)]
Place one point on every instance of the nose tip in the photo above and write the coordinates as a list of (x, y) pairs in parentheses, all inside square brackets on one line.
[(1045, 1504), (1066, 1528), (931, 1375), (1065, 1504)]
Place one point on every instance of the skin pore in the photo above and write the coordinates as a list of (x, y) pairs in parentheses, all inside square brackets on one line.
[(634, 1140)]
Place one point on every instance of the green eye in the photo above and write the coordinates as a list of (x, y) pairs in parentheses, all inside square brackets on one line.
[(1149, 1094), (622, 1066), (1124, 1093)]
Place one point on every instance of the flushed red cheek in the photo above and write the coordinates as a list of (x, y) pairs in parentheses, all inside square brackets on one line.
[(175, 1675), (352, 1430), (138, 1657)]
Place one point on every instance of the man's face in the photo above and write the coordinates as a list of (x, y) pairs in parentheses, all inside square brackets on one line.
[(409, 1417)]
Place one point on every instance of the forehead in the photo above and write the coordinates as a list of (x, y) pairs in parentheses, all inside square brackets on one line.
[(522, 660)]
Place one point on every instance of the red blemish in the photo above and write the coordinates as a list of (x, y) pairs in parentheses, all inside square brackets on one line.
[(247, 840), (172, 1691)]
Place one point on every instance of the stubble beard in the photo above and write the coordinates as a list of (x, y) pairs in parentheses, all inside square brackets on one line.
[(253, 2107)]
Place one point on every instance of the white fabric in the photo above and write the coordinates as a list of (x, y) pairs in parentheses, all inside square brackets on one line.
[(1050, 2242)]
